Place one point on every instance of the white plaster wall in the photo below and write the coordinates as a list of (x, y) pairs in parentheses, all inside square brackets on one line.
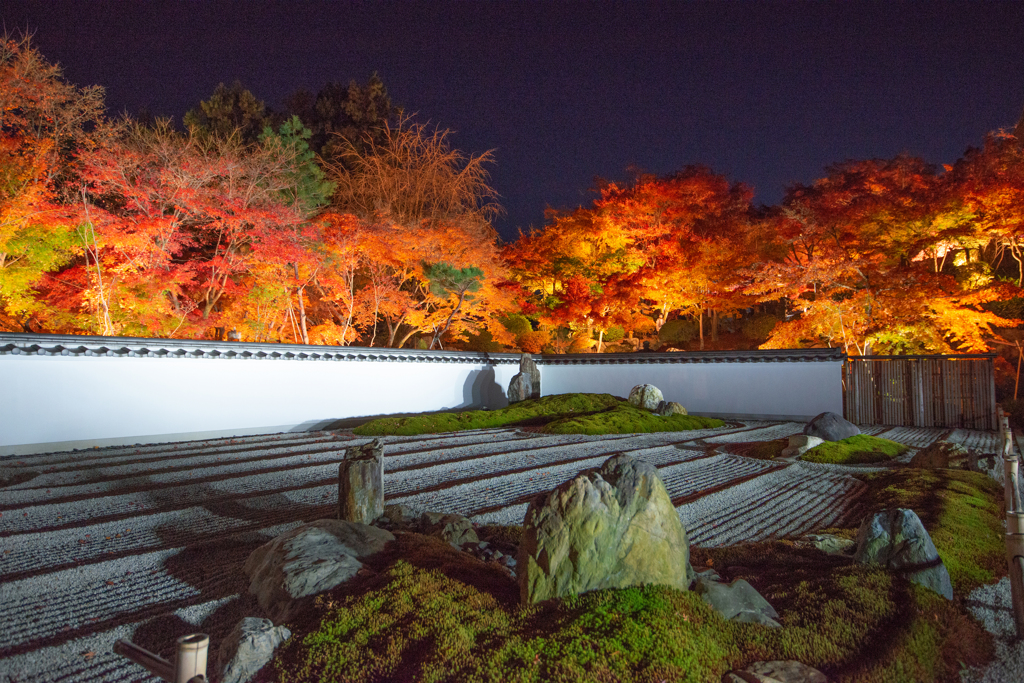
[(781, 390), (52, 402)]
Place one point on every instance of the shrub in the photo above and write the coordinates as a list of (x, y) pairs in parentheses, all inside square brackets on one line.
[(760, 326), (516, 324), (678, 331)]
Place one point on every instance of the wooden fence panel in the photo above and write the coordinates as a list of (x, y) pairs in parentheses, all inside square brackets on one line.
[(921, 391)]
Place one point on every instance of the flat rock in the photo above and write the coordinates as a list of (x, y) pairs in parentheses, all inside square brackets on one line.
[(737, 601), (831, 427), (896, 539), (787, 671), (828, 543), (248, 648), (800, 444), (309, 560), (611, 528), (646, 396)]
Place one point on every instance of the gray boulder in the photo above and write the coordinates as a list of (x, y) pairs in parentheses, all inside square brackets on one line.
[(361, 483), (896, 539), (308, 560), (646, 396), (520, 388), (831, 427), (788, 671), (530, 369), (611, 528), (248, 648), (738, 601)]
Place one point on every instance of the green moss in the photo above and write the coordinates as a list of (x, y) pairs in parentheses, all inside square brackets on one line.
[(855, 450), (559, 414), (627, 419), (419, 623), (962, 512)]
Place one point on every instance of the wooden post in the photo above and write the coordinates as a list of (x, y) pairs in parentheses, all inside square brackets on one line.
[(189, 665)]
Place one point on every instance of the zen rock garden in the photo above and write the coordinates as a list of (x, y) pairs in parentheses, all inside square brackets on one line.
[(611, 527)]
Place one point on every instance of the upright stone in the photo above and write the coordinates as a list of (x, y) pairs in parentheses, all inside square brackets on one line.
[(611, 528), (520, 388), (896, 538), (530, 369), (361, 483)]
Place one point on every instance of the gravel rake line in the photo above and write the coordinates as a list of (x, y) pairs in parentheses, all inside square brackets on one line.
[(986, 442), (721, 517), (760, 433), (918, 437), (172, 448)]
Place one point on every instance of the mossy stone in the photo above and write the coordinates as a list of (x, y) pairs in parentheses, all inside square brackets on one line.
[(611, 528)]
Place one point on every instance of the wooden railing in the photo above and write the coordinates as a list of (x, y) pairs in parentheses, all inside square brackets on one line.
[(1014, 521), (921, 391)]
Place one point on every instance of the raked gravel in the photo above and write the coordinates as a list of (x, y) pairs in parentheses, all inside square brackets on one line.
[(146, 542)]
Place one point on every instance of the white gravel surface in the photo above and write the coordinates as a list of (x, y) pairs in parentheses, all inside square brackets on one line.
[(146, 542)]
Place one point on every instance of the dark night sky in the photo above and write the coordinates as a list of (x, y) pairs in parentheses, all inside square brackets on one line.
[(767, 93)]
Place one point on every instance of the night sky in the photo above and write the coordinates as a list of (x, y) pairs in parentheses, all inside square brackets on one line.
[(767, 93)]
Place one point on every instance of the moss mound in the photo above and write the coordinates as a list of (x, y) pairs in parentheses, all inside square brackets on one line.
[(428, 612), (855, 450), (441, 615), (558, 414)]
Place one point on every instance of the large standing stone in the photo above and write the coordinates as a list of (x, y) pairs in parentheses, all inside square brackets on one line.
[(361, 483), (611, 528), (897, 539), (646, 396), (831, 427), (530, 369), (248, 648), (308, 560), (520, 388)]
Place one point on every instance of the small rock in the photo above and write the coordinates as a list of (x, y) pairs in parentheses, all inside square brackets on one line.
[(455, 529), (646, 396), (248, 648), (831, 427), (401, 514), (671, 408), (787, 671)]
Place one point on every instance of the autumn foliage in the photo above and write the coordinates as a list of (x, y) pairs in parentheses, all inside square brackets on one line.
[(251, 230)]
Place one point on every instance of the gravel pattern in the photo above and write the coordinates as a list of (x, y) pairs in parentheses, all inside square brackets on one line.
[(146, 542)]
